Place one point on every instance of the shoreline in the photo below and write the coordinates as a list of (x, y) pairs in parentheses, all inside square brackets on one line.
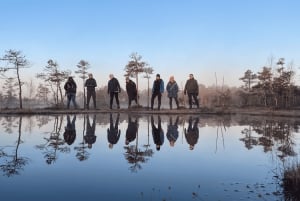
[(146, 111)]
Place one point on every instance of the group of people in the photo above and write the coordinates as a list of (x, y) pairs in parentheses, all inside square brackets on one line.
[(113, 132), (191, 89)]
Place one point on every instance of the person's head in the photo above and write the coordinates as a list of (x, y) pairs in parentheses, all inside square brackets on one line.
[(157, 147), (127, 79), (191, 76), (70, 78), (90, 146), (191, 147), (110, 145), (157, 76), (172, 143), (172, 78), (126, 142), (90, 75), (111, 76)]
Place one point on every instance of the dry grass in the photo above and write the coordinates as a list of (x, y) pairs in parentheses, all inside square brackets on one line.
[(291, 183)]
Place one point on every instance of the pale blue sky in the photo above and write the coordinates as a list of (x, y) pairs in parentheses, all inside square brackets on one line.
[(174, 37)]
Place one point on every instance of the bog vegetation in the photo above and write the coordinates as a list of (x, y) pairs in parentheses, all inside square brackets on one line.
[(272, 87)]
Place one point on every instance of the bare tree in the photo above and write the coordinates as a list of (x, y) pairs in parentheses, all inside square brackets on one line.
[(134, 67), (83, 66), (54, 76), (148, 71), (16, 60)]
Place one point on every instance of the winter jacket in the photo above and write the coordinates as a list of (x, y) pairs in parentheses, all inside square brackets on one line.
[(90, 84), (192, 133), (113, 86), (70, 86), (172, 89), (191, 86), (158, 86), (131, 89)]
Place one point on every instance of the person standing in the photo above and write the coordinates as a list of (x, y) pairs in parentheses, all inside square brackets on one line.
[(192, 133), (172, 132), (113, 132), (192, 89), (157, 133), (131, 91), (131, 131), (70, 88), (90, 85), (113, 89), (172, 89), (70, 131), (90, 137), (157, 90)]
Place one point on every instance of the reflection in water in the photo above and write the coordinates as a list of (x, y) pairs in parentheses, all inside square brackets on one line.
[(157, 132), (172, 132), (261, 148), (271, 134), (13, 162), (135, 155), (131, 131), (54, 142), (113, 132), (192, 133), (90, 137), (70, 130)]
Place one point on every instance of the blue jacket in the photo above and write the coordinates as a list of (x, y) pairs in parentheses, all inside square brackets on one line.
[(172, 89), (161, 86)]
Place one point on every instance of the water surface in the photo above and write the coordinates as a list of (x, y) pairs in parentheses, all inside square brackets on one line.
[(158, 157)]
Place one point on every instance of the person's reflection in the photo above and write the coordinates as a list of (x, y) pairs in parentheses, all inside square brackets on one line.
[(157, 133), (113, 132), (172, 132), (192, 133), (70, 131), (131, 131), (90, 137)]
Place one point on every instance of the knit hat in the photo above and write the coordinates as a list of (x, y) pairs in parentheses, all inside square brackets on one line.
[(157, 75)]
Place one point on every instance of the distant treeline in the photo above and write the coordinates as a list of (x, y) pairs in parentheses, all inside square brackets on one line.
[(271, 87)]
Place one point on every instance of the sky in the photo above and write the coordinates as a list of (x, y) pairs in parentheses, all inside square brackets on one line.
[(209, 38)]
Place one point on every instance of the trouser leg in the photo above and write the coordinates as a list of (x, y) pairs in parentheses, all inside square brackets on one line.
[(190, 100), (159, 100)]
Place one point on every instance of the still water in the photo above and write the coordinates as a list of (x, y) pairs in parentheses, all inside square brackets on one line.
[(139, 157)]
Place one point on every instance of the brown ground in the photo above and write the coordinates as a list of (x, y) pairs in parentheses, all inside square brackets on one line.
[(217, 111)]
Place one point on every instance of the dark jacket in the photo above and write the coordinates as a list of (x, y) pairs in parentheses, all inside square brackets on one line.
[(70, 131), (158, 86), (192, 133), (191, 86), (157, 132), (172, 89), (131, 89), (90, 136), (113, 86), (70, 86), (131, 131), (90, 84), (113, 133)]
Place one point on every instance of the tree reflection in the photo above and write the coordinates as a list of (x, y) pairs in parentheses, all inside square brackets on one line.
[(271, 134), (9, 124), (54, 143), (82, 154), (42, 120), (13, 162), (248, 139), (133, 154)]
